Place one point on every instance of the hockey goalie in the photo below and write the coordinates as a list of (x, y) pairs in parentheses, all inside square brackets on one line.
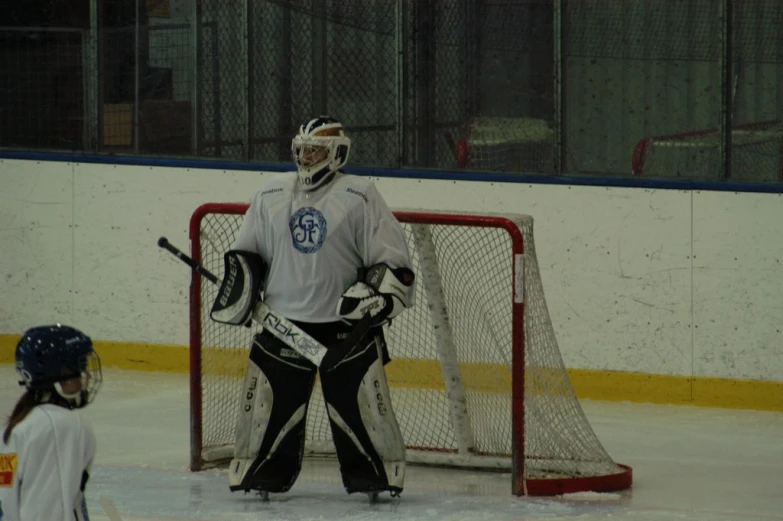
[(322, 249)]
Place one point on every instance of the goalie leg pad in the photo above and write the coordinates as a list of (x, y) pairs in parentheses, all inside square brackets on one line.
[(271, 420), (366, 434)]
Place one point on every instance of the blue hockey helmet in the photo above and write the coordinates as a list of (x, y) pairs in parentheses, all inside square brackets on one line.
[(47, 356)]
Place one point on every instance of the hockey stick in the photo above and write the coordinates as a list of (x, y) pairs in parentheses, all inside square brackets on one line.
[(204, 272), (282, 328)]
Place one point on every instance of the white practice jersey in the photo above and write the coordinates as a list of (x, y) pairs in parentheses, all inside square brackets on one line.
[(42, 465), (314, 242)]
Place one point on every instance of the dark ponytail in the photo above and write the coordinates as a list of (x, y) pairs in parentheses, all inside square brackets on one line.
[(26, 403)]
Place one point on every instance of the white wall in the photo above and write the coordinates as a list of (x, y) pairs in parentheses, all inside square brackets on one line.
[(651, 281)]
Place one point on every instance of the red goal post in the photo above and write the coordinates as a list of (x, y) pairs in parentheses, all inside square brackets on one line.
[(757, 153), (477, 379)]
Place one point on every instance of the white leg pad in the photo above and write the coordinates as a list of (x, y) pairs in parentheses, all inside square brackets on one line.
[(381, 423), (255, 408)]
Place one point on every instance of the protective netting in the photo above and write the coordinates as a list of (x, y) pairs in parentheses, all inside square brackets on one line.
[(34, 114), (309, 58), (507, 105), (466, 274), (634, 70), (582, 81), (633, 30)]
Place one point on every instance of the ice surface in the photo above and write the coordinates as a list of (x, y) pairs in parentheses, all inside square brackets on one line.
[(689, 464)]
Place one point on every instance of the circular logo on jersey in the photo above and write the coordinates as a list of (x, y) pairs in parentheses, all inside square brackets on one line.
[(308, 229)]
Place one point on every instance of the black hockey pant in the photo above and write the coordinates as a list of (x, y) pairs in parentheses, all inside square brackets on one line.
[(292, 377)]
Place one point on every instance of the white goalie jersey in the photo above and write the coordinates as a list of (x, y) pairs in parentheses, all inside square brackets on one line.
[(314, 242), (44, 464)]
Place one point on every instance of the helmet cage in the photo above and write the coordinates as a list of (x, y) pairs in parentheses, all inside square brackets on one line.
[(318, 154), (89, 373), (90, 380), (49, 356)]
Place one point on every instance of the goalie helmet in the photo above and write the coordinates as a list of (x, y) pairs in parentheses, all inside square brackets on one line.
[(46, 356), (320, 148)]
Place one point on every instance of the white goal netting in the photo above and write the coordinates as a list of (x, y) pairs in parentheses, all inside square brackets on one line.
[(476, 380), (505, 144), (756, 154)]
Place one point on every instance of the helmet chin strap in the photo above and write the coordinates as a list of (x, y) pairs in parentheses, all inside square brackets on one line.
[(76, 400)]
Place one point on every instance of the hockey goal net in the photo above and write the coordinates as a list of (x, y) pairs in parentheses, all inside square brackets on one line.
[(505, 144), (756, 150), (476, 380)]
